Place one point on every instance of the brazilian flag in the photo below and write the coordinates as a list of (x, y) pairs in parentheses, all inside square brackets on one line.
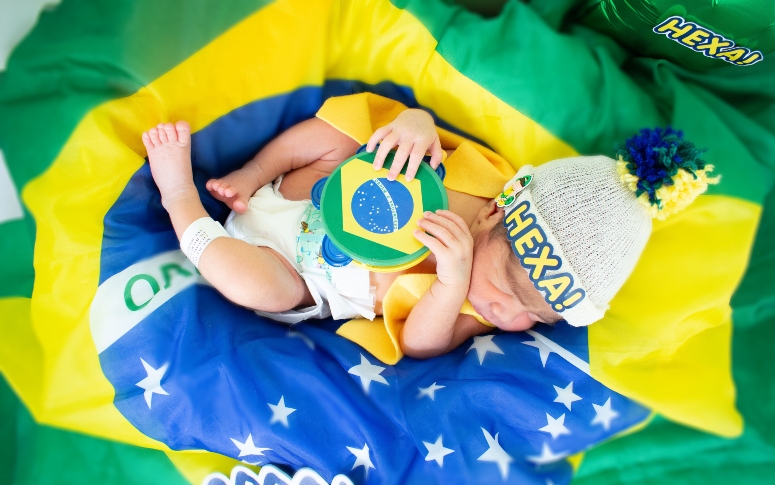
[(120, 364)]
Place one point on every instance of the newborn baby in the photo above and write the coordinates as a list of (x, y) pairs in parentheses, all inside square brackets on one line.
[(557, 244)]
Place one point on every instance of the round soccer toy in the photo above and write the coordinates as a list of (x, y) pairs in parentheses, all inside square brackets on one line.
[(372, 219)]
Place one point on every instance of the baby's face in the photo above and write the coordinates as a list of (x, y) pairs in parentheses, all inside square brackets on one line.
[(500, 290)]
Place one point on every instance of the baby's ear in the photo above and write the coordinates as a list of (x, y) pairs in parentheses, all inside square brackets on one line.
[(489, 215), (493, 210)]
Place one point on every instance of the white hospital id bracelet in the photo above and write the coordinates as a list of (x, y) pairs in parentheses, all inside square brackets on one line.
[(198, 235)]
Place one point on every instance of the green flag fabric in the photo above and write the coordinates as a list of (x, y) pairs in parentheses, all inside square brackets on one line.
[(33, 454)]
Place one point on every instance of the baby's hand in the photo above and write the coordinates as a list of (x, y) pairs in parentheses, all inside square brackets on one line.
[(450, 241), (414, 132), (234, 189)]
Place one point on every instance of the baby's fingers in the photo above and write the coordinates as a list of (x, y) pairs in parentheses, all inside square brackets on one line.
[(460, 232), (455, 219), (384, 148), (437, 229), (377, 136), (399, 159), (430, 242), (437, 154), (415, 159)]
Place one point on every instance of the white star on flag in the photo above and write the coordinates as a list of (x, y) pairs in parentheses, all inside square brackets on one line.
[(547, 456), (495, 453), (429, 391), (280, 412), (152, 383), (436, 451), (556, 427), (566, 396), (248, 448), (362, 459), (543, 350), (482, 345), (604, 414), (368, 372)]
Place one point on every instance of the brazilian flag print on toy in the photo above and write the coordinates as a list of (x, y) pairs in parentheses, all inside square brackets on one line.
[(372, 219), (107, 331)]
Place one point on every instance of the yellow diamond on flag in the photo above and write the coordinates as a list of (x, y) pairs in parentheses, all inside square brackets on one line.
[(396, 215)]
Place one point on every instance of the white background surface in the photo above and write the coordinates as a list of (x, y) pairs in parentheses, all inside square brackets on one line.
[(16, 19)]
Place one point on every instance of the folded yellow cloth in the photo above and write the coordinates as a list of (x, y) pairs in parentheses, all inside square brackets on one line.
[(472, 169)]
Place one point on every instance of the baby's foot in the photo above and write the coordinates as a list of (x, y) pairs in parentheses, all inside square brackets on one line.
[(234, 189), (169, 154)]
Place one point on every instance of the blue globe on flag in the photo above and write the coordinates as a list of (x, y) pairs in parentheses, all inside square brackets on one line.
[(382, 206)]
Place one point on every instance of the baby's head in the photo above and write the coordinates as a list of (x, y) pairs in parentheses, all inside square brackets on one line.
[(563, 238)]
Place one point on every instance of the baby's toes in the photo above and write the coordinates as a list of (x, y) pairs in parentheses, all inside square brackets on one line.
[(154, 134), (230, 192), (162, 133), (169, 130), (184, 133), (239, 206), (215, 185), (147, 141)]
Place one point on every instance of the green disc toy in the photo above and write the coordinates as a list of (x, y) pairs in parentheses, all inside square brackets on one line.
[(371, 219)]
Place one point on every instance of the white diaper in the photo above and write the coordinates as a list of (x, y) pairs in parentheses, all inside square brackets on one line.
[(275, 222)]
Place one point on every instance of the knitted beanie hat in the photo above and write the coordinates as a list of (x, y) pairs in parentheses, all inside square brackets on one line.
[(578, 225)]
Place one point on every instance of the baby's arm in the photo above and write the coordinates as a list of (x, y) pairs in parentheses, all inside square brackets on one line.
[(435, 325), (305, 143)]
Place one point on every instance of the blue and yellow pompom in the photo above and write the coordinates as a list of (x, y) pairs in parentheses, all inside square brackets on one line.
[(665, 171)]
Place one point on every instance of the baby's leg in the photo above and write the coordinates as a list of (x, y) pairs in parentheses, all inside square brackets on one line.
[(169, 154), (254, 277), (304, 144), (250, 276)]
